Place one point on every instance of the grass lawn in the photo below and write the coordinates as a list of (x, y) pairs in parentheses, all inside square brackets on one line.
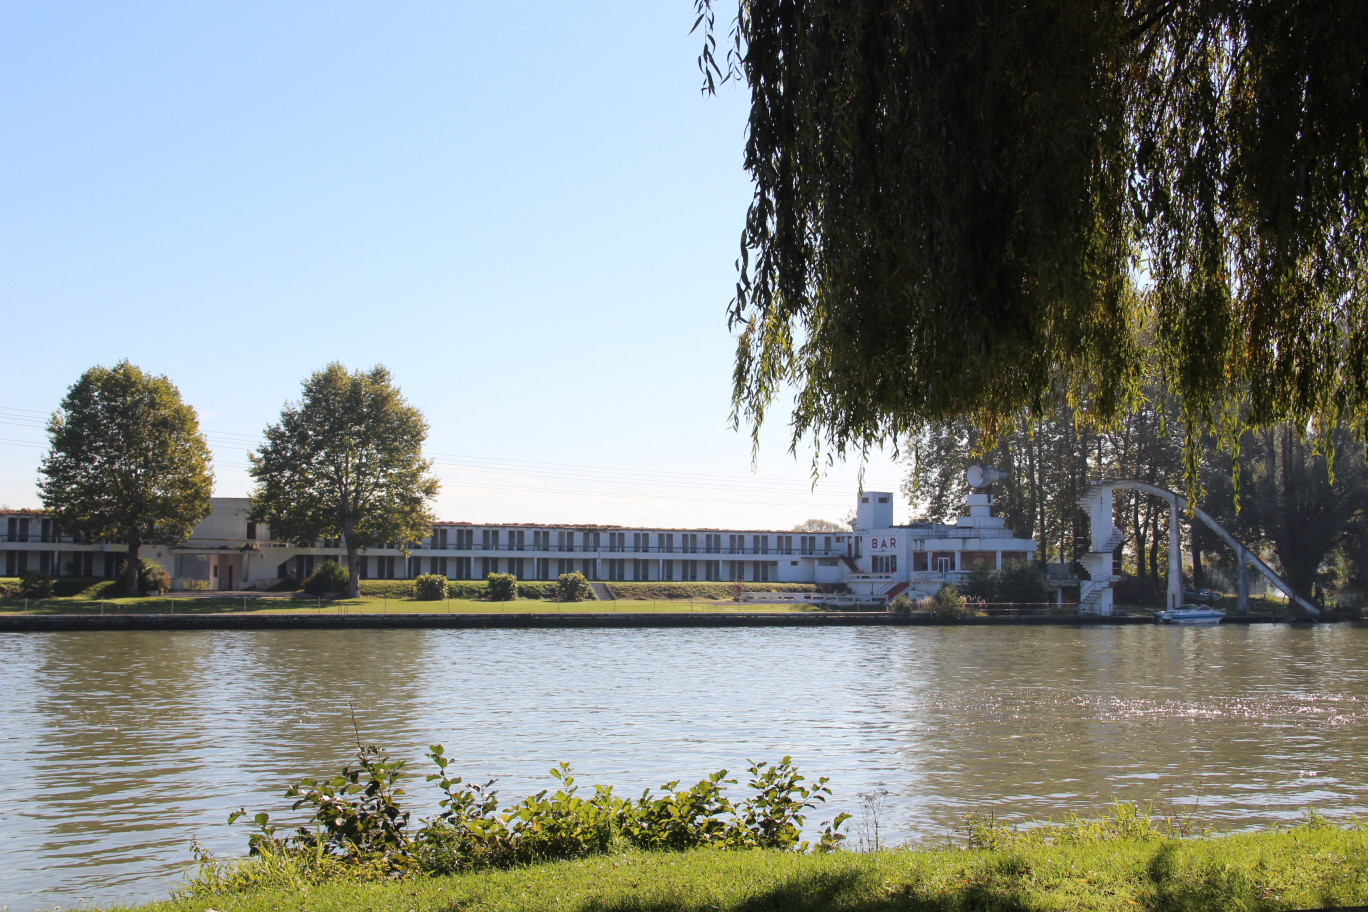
[(1300, 868), (180, 604)]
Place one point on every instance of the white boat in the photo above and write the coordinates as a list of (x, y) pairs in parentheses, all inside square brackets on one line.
[(1190, 614)]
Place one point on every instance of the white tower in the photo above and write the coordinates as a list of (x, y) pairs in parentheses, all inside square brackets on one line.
[(874, 511)]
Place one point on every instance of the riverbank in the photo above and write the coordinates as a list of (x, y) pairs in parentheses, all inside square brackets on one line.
[(592, 616), (1300, 868)]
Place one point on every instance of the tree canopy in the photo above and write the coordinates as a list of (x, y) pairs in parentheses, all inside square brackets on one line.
[(969, 208), (126, 462), (346, 462)]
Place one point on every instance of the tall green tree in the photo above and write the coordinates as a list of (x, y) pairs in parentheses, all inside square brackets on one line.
[(952, 197), (1302, 495), (346, 461), (126, 463)]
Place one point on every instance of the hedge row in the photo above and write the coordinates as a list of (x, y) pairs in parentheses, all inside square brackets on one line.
[(472, 590), (666, 591), (88, 587)]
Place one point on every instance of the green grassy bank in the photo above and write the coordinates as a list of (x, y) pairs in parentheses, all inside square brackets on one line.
[(1301, 868), (78, 596), (181, 604)]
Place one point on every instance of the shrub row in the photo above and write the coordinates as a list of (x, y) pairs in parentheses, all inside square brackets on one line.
[(82, 587), (721, 591), (471, 590), (359, 828)]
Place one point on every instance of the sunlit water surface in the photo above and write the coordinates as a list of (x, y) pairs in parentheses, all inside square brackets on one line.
[(123, 747)]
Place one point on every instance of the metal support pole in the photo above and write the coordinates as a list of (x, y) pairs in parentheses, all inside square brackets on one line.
[(1175, 557), (1242, 582)]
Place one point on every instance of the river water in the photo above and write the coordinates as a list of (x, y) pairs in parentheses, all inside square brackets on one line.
[(120, 748)]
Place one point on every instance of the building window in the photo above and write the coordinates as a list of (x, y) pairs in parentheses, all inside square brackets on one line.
[(667, 570), (251, 531), (920, 562), (515, 567), (488, 565), (736, 544), (761, 543), (689, 571), (641, 570), (943, 561), (786, 544), (617, 541), (665, 542), (761, 571), (641, 542), (712, 570), (884, 563), (489, 540), (463, 568), (565, 541)]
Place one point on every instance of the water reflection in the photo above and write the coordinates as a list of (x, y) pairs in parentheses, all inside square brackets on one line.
[(124, 746)]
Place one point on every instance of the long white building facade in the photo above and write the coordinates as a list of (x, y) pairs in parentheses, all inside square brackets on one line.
[(876, 559)]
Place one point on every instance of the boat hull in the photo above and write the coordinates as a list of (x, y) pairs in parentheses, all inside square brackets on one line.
[(1196, 615)]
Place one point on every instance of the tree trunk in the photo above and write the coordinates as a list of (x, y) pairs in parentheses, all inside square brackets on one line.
[(353, 578), (1193, 536), (1154, 548), (1138, 528), (131, 566)]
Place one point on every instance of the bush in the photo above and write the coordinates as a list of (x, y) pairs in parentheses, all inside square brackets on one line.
[(901, 604), (573, 587), (1022, 582), (152, 577), (329, 578), (360, 830), (195, 585), (502, 587), (984, 583), (33, 584), (430, 587), (949, 603)]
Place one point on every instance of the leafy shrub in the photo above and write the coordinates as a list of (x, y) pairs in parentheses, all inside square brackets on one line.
[(430, 587), (152, 577), (359, 830), (195, 585), (502, 587), (1022, 582), (901, 604), (983, 582), (330, 577), (573, 587), (33, 584), (949, 603)]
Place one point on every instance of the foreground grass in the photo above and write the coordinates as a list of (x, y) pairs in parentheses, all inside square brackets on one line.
[(1298, 869), (180, 604)]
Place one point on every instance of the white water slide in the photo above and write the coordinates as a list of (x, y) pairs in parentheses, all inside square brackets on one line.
[(1095, 595)]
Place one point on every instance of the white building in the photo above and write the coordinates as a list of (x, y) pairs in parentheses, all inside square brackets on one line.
[(876, 560)]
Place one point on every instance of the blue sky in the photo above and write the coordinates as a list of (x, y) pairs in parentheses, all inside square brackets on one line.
[(526, 210)]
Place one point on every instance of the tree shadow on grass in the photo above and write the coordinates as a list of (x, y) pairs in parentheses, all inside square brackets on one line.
[(845, 891)]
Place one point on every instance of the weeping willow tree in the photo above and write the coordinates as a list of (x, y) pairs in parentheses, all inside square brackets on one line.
[(969, 208)]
